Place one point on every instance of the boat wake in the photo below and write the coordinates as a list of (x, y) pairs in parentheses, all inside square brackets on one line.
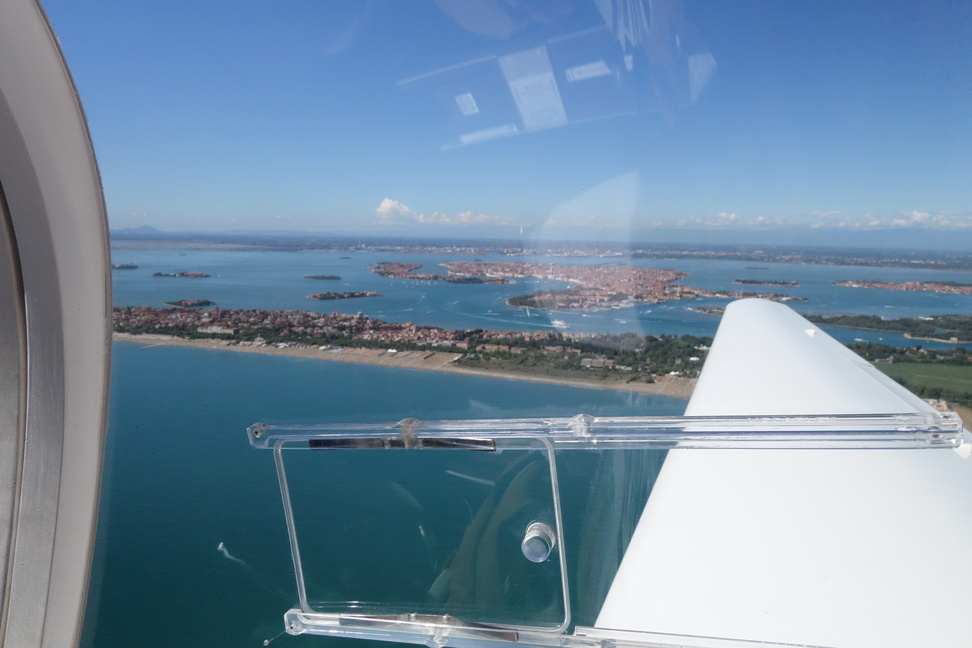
[(222, 548)]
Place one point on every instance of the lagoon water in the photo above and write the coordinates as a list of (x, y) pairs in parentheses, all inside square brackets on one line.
[(275, 280), (180, 478), (192, 546)]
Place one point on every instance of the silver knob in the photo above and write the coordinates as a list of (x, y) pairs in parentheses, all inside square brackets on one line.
[(538, 541)]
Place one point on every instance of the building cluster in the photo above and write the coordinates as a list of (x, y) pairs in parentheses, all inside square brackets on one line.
[(340, 332), (295, 325), (283, 325), (594, 287), (591, 287)]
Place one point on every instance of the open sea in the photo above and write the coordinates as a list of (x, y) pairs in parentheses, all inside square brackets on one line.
[(192, 546)]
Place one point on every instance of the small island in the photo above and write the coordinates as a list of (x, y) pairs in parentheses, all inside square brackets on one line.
[(189, 303), (323, 277), (766, 282), (952, 329), (946, 287), (397, 270), (344, 295), (181, 275)]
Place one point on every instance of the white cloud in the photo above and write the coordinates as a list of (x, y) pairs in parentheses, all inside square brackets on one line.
[(907, 219), (835, 219), (392, 212), (721, 220)]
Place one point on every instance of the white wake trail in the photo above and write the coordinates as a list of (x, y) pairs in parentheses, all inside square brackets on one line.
[(226, 553)]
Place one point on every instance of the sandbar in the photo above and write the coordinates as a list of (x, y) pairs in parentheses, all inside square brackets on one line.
[(672, 386)]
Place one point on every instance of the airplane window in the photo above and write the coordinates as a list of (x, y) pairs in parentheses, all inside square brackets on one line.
[(362, 212)]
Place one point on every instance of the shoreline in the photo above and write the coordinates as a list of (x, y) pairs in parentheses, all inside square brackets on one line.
[(673, 387), (909, 336), (904, 334)]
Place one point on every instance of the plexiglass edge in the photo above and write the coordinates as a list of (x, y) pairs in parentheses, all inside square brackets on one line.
[(910, 430), (505, 630), (437, 632)]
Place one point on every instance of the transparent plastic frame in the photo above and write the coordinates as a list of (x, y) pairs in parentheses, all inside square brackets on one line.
[(467, 546), (843, 431)]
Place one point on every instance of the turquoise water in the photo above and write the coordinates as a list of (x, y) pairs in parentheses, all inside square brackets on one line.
[(180, 478), (275, 280)]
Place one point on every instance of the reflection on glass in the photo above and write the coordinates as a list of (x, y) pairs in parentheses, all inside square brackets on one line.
[(473, 536), (371, 211)]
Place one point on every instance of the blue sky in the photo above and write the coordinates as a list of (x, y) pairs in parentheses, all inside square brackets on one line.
[(242, 115)]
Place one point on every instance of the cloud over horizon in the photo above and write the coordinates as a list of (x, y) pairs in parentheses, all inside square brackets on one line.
[(831, 219), (392, 212)]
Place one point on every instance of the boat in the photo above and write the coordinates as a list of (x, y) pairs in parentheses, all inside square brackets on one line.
[(559, 324)]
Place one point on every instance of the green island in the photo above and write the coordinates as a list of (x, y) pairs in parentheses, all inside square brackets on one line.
[(189, 303), (547, 300), (955, 329), (396, 270), (468, 280), (344, 295), (950, 287), (954, 284), (181, 275), (766, 282)]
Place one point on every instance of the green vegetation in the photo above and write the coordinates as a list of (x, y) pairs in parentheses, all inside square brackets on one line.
[(937, 327), (190, 303), (539, 301), (929, 373), (949, 382), (462, 279), (953, 377), (344, 295), (766, 282), (628, 357), (879, 353)]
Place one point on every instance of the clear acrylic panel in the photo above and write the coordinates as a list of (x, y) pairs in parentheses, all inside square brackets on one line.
[(504, 530), (472, 536)]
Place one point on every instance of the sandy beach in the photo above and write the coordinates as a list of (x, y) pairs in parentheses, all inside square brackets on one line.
[(673, 386)]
